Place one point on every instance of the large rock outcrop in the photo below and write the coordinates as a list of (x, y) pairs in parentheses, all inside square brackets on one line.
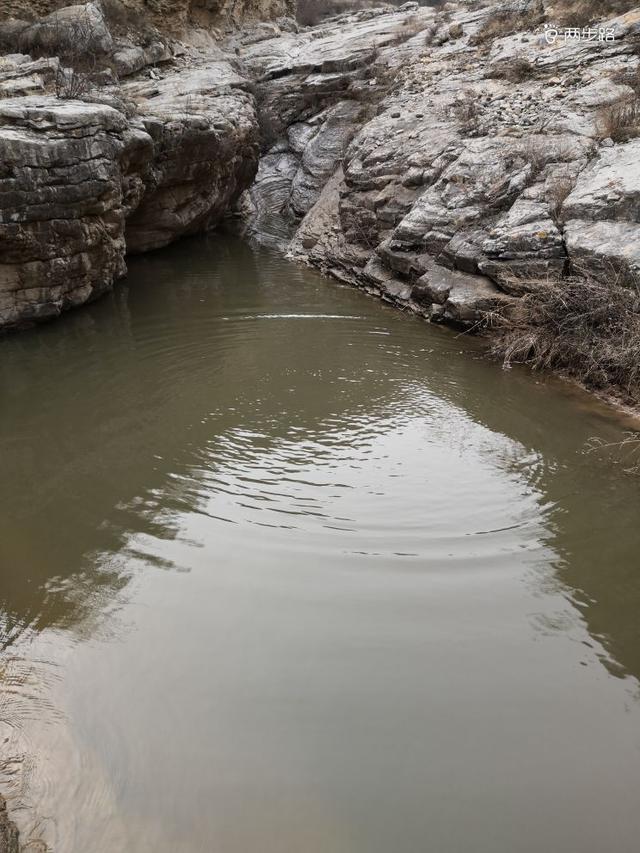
[(62, 219), (479, 165), (83, 183), (205, 139), (442, 159), (169, 15)]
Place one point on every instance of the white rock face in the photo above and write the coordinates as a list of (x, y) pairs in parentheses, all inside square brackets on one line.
[(609, 188), (483, 160), (608, 250)]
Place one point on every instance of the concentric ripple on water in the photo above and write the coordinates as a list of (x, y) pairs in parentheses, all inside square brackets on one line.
[(283, 569)]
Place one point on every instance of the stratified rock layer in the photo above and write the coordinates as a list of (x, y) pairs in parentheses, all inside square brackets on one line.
[(82, 184), (486, 156), (441, 162), (62, 212)]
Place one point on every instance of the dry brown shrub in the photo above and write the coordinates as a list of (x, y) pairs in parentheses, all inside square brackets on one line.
[(581, 13), (557, 195), (505, 22), (466, 109), (515, 70), (581, 326), (620, 121), (629, 78)]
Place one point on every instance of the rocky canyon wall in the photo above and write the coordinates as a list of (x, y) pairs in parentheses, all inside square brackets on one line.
[(170, 15), (96, 164), (447, 160)]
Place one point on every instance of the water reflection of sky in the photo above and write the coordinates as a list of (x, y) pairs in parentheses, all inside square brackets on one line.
[(306, 513)]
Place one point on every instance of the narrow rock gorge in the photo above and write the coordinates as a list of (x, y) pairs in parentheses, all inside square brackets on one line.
[(447, 159), (471, 162)]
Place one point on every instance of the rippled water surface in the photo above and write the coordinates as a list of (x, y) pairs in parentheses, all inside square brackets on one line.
[(284, 570)]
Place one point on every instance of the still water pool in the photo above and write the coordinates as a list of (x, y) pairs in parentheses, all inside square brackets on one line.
[(285, 570)]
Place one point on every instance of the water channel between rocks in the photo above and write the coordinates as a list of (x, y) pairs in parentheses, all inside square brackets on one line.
[(283, 569)]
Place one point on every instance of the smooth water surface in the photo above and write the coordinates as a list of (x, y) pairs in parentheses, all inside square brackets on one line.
[(284, 570)]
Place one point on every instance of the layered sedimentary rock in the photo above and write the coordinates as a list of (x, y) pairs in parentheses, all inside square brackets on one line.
[(205, 146), (127, 169), (169, 14), (62, 219), (441, 161), (484, 164)]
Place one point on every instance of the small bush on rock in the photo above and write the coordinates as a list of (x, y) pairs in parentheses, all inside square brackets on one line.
[(620, 121), (581, 13), (583, 327), (507, 21)]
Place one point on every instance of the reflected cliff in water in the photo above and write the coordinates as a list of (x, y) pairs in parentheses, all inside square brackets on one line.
[(106, 416)]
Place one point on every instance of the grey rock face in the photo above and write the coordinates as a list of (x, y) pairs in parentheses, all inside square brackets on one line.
[(79, 28), (481, 170), (84, 182), (128, 58), (204, 130), (610, 251), (609, 188), (323, 151), (61, 205)]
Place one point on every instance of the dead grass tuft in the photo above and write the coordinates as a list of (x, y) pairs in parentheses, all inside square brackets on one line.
[(620, 121), (629, 78), (557, 194), (580, 326), (466, 109), (581, 13), (505, 22), (516, 70)]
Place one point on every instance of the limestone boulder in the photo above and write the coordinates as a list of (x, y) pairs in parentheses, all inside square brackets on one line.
[(609, 188), (61, 205), (81, 30), (609, 251)]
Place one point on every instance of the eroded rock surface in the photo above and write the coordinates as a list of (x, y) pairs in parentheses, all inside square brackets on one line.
[(395, 149), (171, 15), (486, 157), (62, 217), (128, 168)]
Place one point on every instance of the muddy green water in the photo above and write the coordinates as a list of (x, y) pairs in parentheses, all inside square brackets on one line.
[(285, 570)]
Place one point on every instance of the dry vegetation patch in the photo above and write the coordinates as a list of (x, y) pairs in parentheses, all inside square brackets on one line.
[(620, 121), (582, 13), (580, 326), (506, 21)]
